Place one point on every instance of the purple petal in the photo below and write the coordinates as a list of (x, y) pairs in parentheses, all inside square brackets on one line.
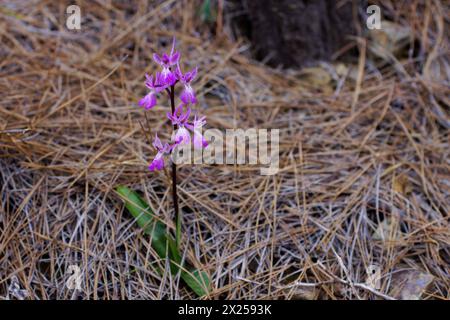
[(188, 95), (157, 59), (174, 58), (189, 126), (189, 76), (178, 72), (158, 82), (179, 110), (198, 123), (167, 148), (157, 143), (167, 77), (174, 41), (199, 140), (183, 118), (170, 117), (194, 72), (149, 78), (157, 163), (149, 101), (182, 136), (165, 59)]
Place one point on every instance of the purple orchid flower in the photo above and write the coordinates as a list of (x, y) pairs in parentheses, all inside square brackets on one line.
[(166, 61), (155, 85), (158, 161), (196, 127), (188, 94), (180, 119)]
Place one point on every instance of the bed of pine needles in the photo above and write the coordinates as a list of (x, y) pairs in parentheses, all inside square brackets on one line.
[(364, 179)]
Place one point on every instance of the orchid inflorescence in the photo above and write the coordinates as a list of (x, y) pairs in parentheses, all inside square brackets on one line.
[(167, 79)]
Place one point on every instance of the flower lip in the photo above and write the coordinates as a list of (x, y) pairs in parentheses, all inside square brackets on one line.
[(182, 136), (199, 140), (168, 78), (196, 127), (188, 95), (157, 163), (148, 101)]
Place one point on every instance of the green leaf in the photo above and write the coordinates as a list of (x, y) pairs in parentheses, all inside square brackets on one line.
[(162, 241), (207, 14), (175, 254), (145, 218), (198, 281)]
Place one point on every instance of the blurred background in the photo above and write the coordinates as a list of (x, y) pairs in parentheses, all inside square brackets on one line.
[(358, 210)]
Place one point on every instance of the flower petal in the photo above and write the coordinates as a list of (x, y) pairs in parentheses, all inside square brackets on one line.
[(157, 143), (174, 42), (199, 123), (184, 117), (167, 77), (174, 58), (199, 140), (189, 76), (157, 59), (157, 163), (149, 101), (182, 136), (188, 95)]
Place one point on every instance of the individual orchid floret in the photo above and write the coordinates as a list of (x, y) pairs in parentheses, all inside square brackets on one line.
[(148, 101), (182, 136), (188, 94), (155, 86), (158, 161), (196, 127), (155, 83), (179, 119), (166, 61)]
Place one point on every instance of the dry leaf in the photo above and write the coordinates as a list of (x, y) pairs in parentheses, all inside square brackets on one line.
[(401, 184), (410, 284)]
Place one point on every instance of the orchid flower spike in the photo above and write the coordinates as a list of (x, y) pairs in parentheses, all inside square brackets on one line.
[(166, 80), (188, 94), (166, 61)]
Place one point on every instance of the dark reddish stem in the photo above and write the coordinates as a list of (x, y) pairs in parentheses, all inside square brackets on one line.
[(174, 178)]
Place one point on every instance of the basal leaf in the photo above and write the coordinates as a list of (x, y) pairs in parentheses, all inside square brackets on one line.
[(198, 281), (162, 241), (145, 218)]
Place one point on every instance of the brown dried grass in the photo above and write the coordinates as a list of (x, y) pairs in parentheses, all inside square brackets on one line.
[(69, 133)]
